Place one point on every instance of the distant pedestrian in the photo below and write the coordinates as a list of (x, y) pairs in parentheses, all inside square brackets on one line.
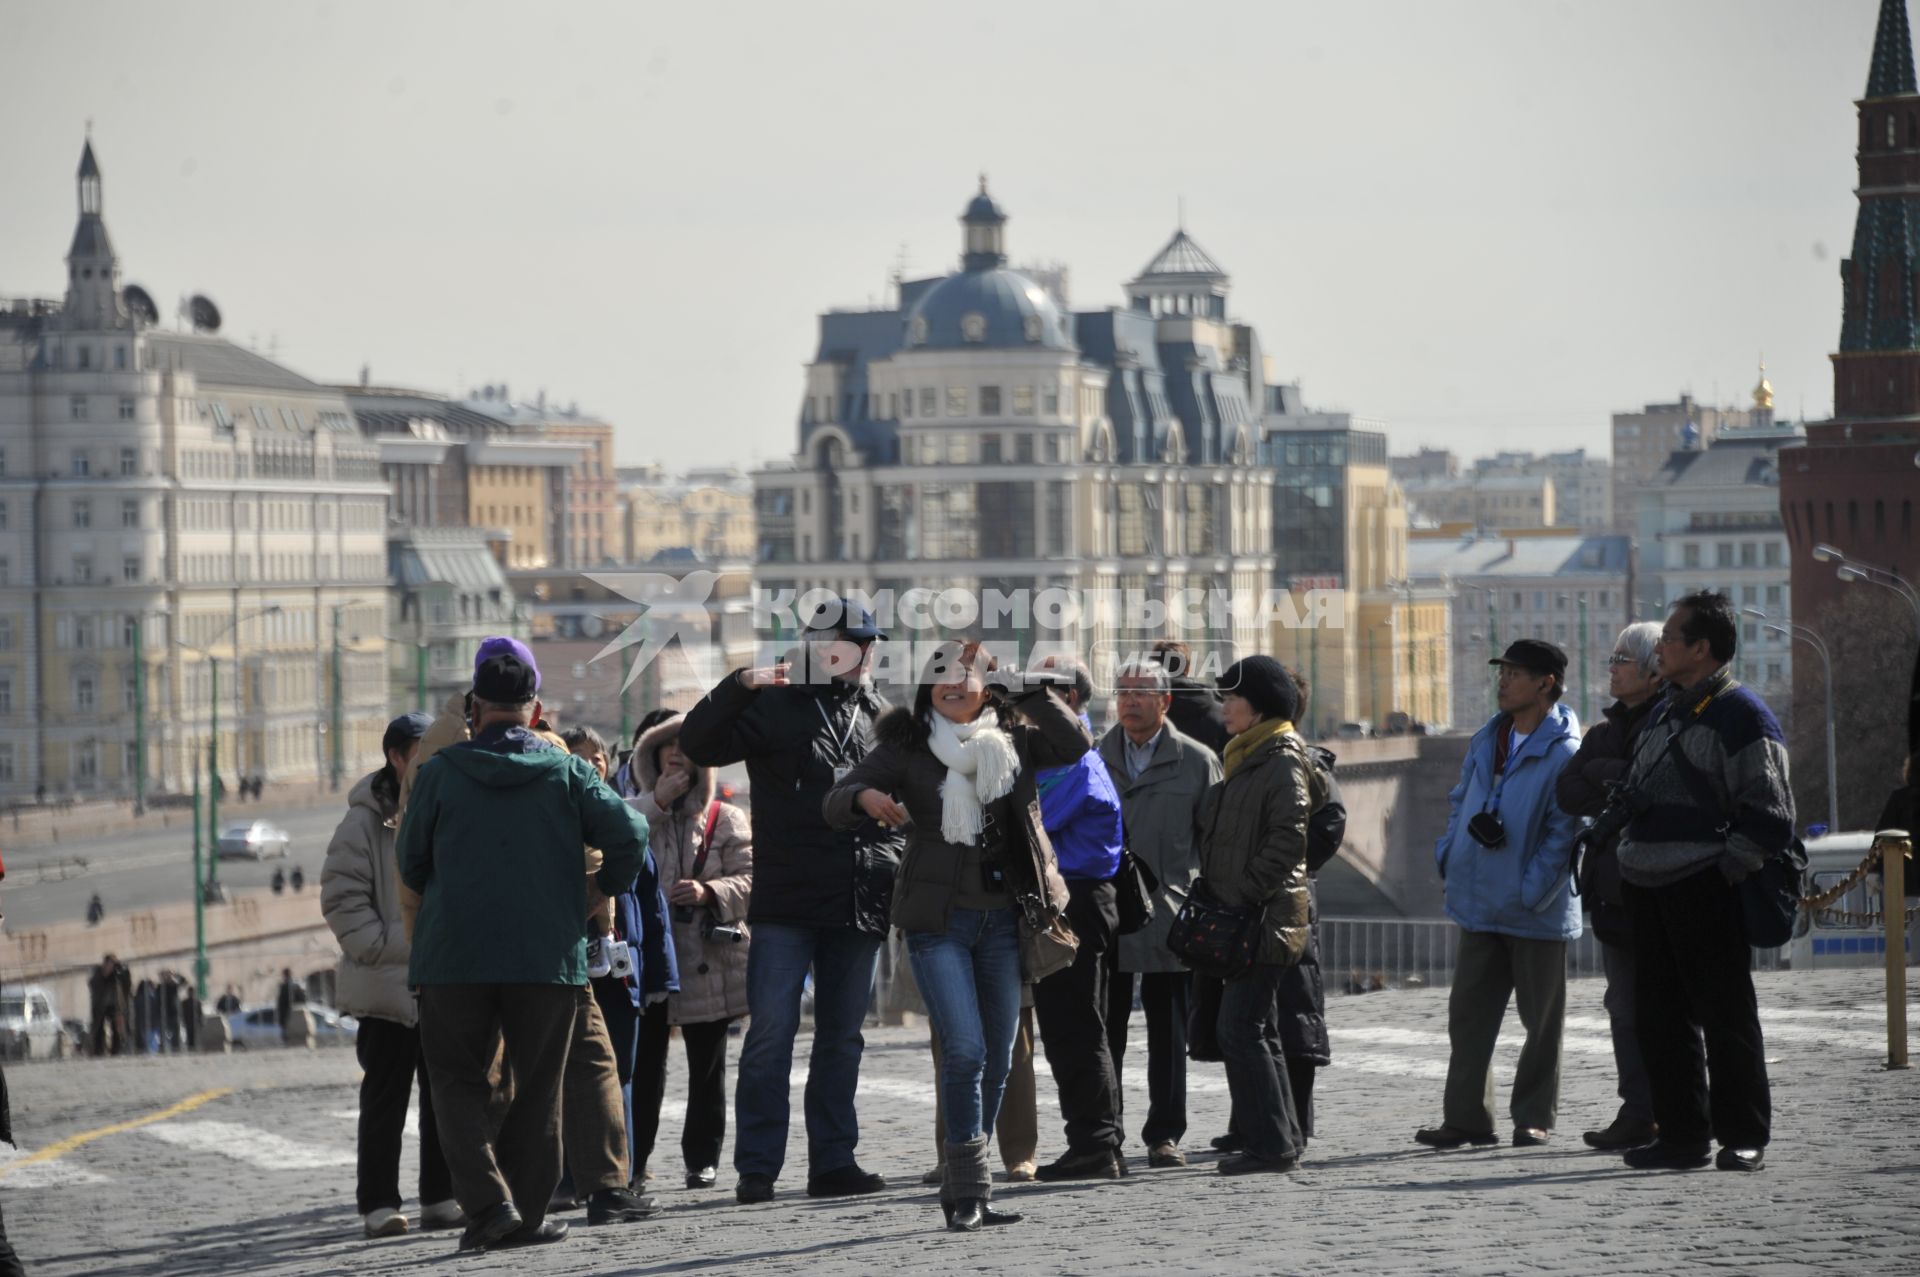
[(110, 994), (279, 883), (296, 879), (96, 910), (1507, 860), (229, 1002)]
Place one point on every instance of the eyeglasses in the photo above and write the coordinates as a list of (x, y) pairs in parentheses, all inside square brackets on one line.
[(1621, 658)]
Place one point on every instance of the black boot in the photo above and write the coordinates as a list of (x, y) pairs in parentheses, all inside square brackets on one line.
[(971, 1214)]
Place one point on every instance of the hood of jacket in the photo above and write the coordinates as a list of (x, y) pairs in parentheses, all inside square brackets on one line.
[(896, 728), (644, 765), (362, 795), (505, 758)]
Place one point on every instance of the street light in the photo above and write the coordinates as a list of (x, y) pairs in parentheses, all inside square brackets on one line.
[(419, 665), (339, 736), (210, 884), (1808, 635)]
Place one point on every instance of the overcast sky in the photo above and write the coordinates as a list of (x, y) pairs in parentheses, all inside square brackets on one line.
[(1488, 224)]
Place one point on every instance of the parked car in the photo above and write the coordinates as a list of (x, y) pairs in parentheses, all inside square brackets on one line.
[(29, 1021), (259, 1026), (254, 840)]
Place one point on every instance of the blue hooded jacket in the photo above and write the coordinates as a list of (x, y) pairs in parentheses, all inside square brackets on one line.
[(1524, 889), (1080, 808)]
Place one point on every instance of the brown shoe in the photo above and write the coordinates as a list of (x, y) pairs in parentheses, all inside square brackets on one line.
[(1166, 1153)]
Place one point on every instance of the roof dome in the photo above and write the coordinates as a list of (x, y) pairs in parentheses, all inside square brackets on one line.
[(989, 309)]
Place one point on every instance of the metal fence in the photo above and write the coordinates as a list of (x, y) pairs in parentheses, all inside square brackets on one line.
[(1365, 955)]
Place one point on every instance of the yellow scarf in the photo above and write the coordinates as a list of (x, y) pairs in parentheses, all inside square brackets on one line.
[(1242, 747)]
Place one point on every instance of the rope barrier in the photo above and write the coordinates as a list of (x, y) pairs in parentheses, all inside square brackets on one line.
[(1818, 902)]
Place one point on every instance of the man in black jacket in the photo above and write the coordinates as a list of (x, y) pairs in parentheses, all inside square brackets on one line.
[(1582, 790), (820, 897)]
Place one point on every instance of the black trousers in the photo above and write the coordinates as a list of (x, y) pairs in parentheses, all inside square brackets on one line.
[(1693, 978), (10, 1265), (391, 1062), (1164, 998), (705, 1127), (1070, 1007)]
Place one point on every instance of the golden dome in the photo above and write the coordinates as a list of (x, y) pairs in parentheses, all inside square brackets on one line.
[(1763, 393)]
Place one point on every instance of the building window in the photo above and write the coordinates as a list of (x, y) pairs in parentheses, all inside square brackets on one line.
[(77, 407), (86, 766), (83, 693), (1023, 401), (1723, 554), (129, 462), (1053, 447), (6, 570), (1690, 556), (130, 569), (989, 401), (82, 513), (126, 408), (6, 634), (1772, 555), (956, 401), (973, 327), (129, 514), (1773, 596), (1023, 448), (1749, 554), (82, 569), (3, 515), (929, 401), (6, 751), (81, 466), (1050, 401), (957, 450), (120, 357), (990, 450)]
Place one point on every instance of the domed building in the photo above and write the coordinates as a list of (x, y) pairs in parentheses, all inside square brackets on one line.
[(981, 435)]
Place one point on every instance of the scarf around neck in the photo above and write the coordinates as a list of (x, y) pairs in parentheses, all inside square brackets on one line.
[(981, 766), (1243, 746)]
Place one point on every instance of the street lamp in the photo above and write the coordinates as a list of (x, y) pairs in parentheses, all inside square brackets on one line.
[(1850, 570), (209, 886), (339, 736), (419, 645), (1806, 634)]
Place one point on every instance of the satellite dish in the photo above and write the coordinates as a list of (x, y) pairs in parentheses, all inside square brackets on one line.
[(140, 304), (206, 315)]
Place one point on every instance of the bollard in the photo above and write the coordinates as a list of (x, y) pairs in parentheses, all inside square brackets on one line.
[(1893, 916), (216, 1035)]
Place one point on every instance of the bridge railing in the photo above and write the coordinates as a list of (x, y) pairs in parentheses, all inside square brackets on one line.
[(1364, 955)]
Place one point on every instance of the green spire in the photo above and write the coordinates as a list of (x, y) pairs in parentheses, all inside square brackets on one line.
[(1892, 70)]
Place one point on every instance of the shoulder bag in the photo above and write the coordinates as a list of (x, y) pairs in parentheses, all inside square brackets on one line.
[(1213, 938)]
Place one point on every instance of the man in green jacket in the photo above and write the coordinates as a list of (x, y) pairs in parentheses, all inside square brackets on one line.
[(492, 844)]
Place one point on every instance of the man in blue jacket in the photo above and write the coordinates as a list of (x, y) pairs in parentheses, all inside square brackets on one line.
[(1507, 860), (1080, 808)]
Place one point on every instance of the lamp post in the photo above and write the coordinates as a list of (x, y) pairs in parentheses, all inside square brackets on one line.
[(140, 718), (209, 886), (419, 647), (339, 736), (1808, 635)]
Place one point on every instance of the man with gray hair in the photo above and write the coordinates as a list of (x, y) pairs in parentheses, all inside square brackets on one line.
[(1163, 775), (1584, 789)]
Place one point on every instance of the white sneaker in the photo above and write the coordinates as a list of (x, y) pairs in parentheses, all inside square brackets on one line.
[(385, 1222), (445, 1214)]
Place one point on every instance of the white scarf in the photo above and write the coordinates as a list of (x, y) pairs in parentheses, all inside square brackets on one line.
[(981, 766)]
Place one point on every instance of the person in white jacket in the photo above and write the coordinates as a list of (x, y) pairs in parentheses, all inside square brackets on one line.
[(359, 895)]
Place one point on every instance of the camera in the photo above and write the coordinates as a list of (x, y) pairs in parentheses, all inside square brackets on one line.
[(1623, 804), (718, 932), (1485, 828)]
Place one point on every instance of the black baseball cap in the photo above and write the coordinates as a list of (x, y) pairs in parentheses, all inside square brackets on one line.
[(845, 617), (1536, 656)]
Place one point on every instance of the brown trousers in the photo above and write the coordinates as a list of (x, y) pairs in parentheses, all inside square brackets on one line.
[(593, 1116), (459, 1027), (1018, 1126)]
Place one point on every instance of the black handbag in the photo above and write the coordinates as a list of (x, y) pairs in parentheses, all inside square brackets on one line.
[(1770, 895), (1133, 889), (1215, 939)]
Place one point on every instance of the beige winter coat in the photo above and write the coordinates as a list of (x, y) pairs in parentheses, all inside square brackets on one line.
[(713, 974), (360, 899)]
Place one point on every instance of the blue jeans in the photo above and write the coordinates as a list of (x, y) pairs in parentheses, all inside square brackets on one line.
[(969, 977), (843, 961)]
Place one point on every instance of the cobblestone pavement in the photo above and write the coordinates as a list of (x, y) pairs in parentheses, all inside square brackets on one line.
[(259, 1178)]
